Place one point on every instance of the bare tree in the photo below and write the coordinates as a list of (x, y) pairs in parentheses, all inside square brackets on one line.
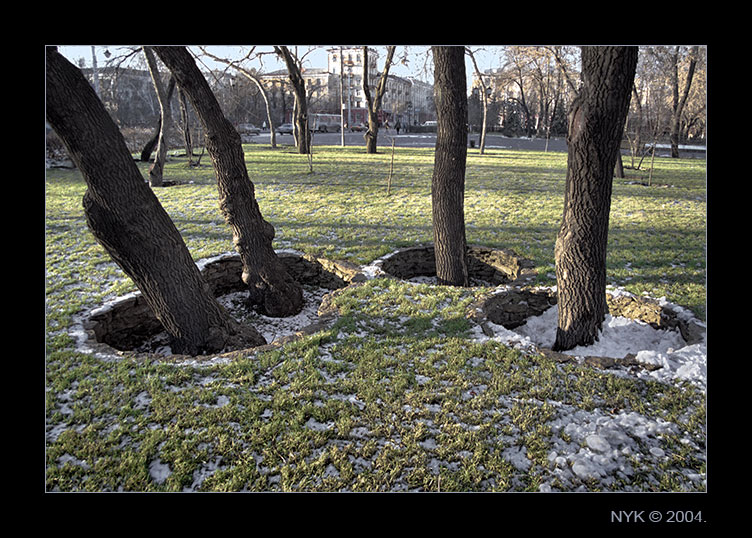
[(373, 102), (679, 97), (448, 180), (271, 288), (596, 126), (301, 103), (484, 94), (165, 120), (518, 65), (186, 126), (253, 77), (126, 218), (151, 144)]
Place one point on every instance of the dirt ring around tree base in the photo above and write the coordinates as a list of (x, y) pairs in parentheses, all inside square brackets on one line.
[(510, 307), (485, 265), (127, 323)]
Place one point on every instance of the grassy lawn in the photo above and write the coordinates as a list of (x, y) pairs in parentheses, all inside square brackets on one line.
[(397, 395)]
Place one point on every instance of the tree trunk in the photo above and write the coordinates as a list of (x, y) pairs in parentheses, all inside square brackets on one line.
[(157, 168), (448, 180), (596, 125), (129, 222), (148, 148), (373, 103), (619, 168), (679, 103), (298, 85), (484, 91), (272, 290), (185, 118), (267, 105)]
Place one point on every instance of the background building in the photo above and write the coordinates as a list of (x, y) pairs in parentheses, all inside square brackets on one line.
[(130, 97)]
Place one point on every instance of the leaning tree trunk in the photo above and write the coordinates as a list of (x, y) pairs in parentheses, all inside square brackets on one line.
[(448, 180), (596, 124), (271, 288), (129, 222)]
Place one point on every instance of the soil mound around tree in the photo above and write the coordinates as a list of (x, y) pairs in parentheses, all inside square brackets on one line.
[(486, 266), (128, 324)]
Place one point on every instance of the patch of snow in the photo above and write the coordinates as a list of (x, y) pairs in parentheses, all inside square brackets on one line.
[(274, 328), (159, 471), (517, 456), (604, 447), (619, 336), (313, 424)]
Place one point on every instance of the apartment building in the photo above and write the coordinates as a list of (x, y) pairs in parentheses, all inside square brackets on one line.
[(129, 93)]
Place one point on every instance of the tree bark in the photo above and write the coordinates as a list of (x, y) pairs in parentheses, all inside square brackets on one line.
[(596, 124), (448, 180), (126, 218), (271, 288), (298, 86)]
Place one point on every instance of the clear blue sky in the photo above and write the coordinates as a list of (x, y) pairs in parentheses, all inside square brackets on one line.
[(417, 57)]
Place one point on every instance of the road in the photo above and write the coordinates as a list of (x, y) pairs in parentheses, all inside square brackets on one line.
[(420, 140), (428, 140)]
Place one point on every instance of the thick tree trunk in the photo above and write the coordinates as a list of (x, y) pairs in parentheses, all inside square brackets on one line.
[(448, 180), (271, 288), (596, 125), (129, 222)]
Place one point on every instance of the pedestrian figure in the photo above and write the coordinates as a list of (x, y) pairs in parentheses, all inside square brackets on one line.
[(397, 126)]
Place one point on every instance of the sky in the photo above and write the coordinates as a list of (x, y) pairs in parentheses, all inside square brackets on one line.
[(417, 66)]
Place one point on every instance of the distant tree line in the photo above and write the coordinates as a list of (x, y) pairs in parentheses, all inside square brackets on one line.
[(531, 91)]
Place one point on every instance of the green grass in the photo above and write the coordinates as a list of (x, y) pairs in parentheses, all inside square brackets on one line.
[(395, 396)]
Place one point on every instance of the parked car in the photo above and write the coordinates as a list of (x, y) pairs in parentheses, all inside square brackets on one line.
[(430, 123), (285, 128), (359, 127), (248, 129)]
